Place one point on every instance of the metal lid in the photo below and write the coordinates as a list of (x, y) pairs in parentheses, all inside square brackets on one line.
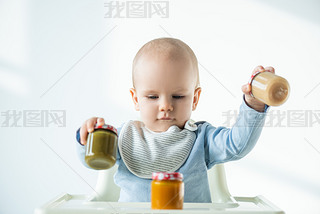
[(107, 127), (167, 176)]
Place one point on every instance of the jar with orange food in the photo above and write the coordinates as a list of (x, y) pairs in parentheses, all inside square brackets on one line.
[(167, 190)]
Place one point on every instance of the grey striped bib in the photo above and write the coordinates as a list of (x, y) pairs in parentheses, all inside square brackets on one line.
[(144, 151)]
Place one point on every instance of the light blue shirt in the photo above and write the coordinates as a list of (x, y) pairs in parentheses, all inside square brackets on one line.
[(213, 145)]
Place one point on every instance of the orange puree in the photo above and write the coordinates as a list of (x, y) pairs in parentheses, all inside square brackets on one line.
[(167, 191)]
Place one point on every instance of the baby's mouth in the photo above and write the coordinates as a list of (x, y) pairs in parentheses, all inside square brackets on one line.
[(166, 118)]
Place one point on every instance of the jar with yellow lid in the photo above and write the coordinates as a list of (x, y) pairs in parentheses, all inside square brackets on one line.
[(167, 190), (101, 147)]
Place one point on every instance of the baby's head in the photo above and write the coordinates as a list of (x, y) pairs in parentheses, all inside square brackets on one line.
[(166, 85)]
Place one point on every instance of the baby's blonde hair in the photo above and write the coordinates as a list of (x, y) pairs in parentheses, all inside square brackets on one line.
[(172, 48)]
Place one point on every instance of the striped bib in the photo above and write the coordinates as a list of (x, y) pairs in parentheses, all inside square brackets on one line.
[(144, 151)]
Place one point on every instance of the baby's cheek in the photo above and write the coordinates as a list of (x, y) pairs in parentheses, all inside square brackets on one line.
[(184, 110), (149, 110), (189, 104)]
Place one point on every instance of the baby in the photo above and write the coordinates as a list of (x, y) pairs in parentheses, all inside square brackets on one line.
[(166, 89)]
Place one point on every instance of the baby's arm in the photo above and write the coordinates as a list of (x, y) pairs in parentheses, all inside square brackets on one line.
[(226, 144)]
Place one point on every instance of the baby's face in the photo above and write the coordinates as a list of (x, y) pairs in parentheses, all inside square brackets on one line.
[(164, 92)]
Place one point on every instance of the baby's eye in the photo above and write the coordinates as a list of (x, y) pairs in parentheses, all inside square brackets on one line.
[(152, 97), (177, 97)]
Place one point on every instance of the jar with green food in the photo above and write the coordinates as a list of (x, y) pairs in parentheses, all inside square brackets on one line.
[(101, 147)]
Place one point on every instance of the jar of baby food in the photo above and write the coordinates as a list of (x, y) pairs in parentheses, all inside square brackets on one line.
[(101, 147), (167, 190), (269, 88)]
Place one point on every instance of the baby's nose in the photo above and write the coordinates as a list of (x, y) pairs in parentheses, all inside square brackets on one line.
[(165, 105)]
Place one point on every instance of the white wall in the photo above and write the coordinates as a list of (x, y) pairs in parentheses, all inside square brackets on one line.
[(65, 55)]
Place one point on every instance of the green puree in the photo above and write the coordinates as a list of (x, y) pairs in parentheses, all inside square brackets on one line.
[(101, 149)]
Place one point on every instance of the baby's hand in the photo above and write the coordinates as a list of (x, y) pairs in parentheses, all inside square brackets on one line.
[(88, 126), (246, 89)]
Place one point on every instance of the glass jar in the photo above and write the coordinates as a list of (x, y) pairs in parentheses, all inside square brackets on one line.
[(269, 88), (167, 190), (101, 147)]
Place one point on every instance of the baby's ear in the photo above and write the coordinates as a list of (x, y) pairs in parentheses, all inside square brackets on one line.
[(134, 98), (196, 98)]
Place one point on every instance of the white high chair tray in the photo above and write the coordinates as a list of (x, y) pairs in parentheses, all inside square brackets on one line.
[(80, 204)]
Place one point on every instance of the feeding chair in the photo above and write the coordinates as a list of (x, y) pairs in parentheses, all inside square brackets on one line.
[(104, 200)]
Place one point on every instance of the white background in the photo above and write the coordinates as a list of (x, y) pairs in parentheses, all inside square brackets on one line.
[(65, 55)]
